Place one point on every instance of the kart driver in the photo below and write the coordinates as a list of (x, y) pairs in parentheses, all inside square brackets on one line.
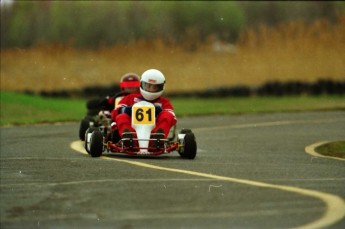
[(129, 83), (151, 90)]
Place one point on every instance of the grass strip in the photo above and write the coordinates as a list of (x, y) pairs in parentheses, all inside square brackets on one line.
[(333, 149), (19, 108), (242, 105), (29, 109)]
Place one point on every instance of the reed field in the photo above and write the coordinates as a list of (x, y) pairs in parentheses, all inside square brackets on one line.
[(289, 51)]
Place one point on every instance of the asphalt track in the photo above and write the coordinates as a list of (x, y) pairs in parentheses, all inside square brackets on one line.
[(251, 171)]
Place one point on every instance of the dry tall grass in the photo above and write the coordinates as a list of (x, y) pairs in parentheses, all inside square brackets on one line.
[(290, 51)]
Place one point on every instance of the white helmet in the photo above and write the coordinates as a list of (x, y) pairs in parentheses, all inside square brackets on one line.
[(152, 84)]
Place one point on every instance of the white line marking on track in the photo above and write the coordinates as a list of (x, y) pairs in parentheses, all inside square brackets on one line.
[(311, 150), (335, 205), (103, 181)]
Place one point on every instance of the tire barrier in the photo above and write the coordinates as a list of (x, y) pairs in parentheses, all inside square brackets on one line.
[(272, 88)]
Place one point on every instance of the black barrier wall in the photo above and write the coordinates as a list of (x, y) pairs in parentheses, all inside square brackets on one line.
[(273, 88)]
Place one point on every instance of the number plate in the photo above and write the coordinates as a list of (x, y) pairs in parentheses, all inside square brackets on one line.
[(143, 115)]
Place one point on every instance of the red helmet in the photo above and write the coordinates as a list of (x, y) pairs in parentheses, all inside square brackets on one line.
[(130, 83)]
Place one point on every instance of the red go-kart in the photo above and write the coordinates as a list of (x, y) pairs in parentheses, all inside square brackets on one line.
[(142, 141)]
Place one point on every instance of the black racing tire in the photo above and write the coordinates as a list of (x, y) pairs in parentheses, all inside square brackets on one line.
[(96, 143), (93, 104), (189, 147), (92, 112), (89, 130), (185, 131), (84, 125), (89, 118)]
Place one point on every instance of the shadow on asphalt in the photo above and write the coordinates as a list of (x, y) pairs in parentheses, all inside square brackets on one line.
[(142, 157)]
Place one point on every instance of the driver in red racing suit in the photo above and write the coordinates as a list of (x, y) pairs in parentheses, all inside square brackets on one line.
[(129, 84), (151, 88)]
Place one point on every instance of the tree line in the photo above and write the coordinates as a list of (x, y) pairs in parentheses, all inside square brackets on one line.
[(92, 24)]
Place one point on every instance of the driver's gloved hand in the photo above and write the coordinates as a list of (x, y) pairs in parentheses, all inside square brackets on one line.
[(158, 109), (127, 110)]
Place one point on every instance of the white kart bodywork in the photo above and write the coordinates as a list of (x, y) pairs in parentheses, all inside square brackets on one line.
[(145, 125)]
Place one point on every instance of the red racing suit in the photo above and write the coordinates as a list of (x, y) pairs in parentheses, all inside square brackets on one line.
[(164, 120)]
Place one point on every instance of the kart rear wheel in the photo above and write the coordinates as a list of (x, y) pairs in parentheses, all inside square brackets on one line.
[(93, 112), (185, 131), (96, 143), (189, 146), (84, 125), (93, 104), (87, 141)]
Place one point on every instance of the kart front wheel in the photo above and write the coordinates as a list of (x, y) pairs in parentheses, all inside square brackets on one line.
[(88, 137), (96, 143), (189, 146)]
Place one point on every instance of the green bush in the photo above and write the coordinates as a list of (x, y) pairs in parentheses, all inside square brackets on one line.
[(99, 23)]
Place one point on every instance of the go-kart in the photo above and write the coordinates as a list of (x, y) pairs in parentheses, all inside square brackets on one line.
[(98, 115), (102, 120), (142, 142)]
